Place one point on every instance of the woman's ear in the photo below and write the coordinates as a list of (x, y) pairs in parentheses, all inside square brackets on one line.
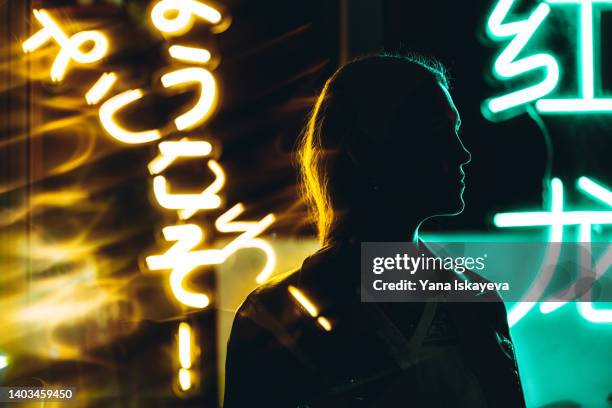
[(356, 148), (364, 159)]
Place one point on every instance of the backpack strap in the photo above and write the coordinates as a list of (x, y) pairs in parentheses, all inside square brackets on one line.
[(403, 350)]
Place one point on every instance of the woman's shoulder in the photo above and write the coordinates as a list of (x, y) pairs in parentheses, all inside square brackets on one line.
[(263, 315), (271, 292), (316, 270), (277, 303)]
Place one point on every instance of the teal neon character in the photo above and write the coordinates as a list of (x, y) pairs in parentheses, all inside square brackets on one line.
[(556, 218), (509, 65)]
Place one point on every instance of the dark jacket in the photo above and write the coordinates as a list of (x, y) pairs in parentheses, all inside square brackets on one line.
[(370, 355)]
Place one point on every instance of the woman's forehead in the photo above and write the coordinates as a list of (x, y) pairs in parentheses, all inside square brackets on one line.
[(450, 109), (430, 109)]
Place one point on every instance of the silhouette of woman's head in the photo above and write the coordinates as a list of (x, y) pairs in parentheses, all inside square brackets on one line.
[(381, 152)]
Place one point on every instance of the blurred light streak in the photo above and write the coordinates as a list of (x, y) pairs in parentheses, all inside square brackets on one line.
[(304, 301), (4, 362), (99, 325), (44, 128), (324, 323), (61, 301), (310, 307), (75, 248), (72, 303), (83, 152), (61, 198)]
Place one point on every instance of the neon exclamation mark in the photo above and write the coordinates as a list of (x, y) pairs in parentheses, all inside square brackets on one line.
[(184, 344)]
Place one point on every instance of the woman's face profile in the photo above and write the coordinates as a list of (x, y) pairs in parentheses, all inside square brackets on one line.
[(418, 165)]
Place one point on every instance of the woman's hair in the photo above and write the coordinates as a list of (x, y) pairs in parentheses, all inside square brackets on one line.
[(322, 150)]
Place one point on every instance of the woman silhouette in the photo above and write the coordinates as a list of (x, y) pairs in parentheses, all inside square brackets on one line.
[(380, 154)]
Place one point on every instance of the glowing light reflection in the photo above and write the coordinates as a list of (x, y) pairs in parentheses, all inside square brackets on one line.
[(304, 301)]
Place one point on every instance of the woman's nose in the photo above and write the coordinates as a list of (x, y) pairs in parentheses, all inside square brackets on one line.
[(464, 154)]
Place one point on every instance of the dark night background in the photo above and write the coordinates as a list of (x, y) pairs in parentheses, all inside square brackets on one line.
[(273, 61)]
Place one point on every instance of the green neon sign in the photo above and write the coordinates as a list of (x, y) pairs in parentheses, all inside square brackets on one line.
[(556, 218), (515, 61)]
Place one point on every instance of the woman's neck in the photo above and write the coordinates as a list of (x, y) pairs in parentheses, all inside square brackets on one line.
[(379, 229)]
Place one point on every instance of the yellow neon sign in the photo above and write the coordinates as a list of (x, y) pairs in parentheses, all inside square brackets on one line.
[(189, 204), (170, 151), (107, 118), (102, 86), (184, 12), (185, 340), (181, 260), (69, 46), (189, 54), (206, 101), (173, 17), (184, 379), (185, 345)]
